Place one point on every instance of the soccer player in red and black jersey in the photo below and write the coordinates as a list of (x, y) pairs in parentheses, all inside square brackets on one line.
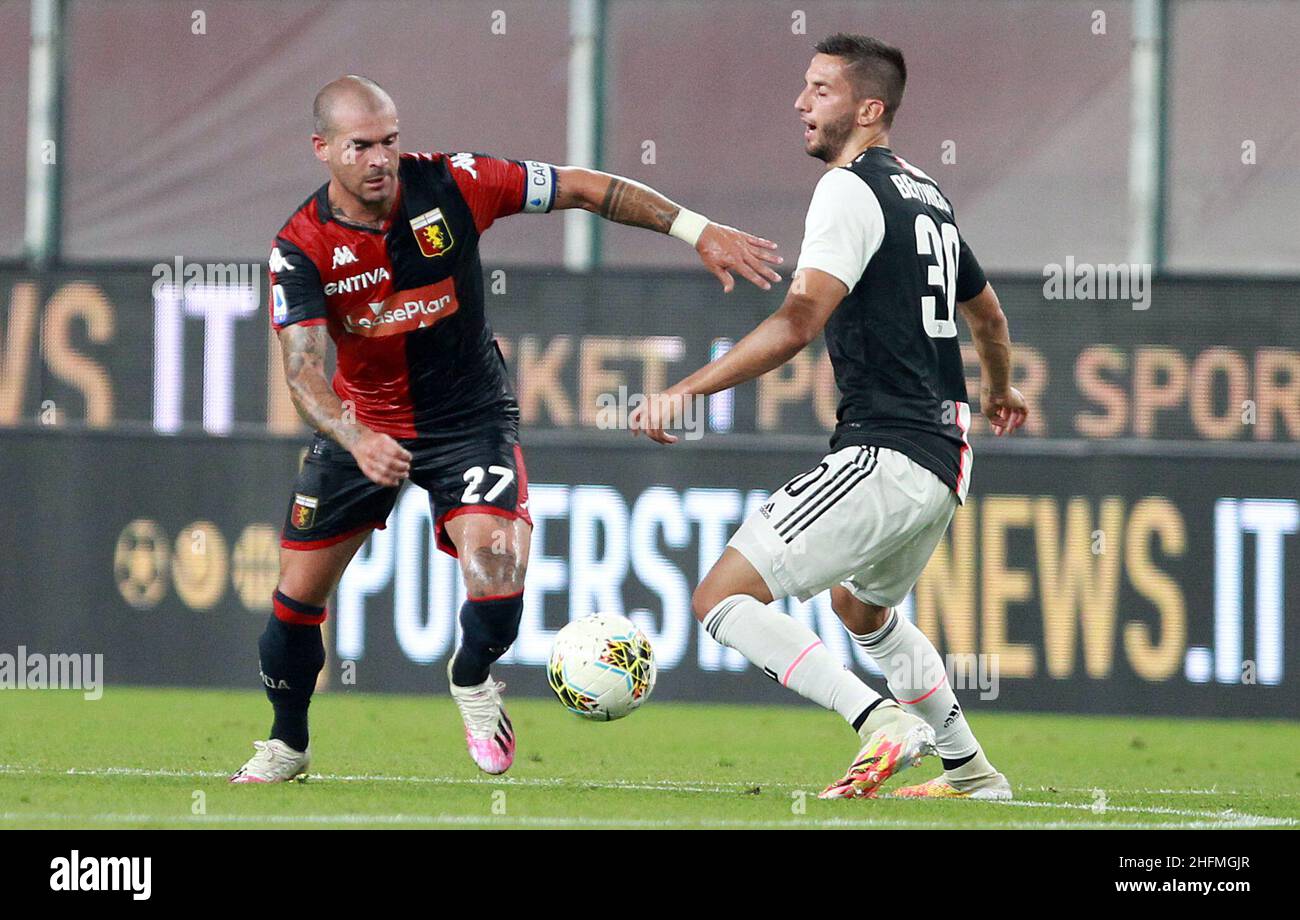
[(383, 260)]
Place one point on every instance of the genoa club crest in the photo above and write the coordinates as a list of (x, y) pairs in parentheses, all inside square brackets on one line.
[(304, 510), (432, 233)]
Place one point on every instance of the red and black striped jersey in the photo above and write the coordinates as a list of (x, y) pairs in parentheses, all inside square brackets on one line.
[(404, 303)]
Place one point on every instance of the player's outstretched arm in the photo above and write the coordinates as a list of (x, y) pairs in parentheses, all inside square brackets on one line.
[(1002, 404), (722, 249), (381, 458), (812, 298)]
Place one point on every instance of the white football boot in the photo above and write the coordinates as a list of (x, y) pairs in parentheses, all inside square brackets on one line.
[(895, 741), (274, 762), (488, 733), (994, 788)]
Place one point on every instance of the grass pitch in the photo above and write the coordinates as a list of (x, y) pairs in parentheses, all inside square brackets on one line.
[(159, 758)]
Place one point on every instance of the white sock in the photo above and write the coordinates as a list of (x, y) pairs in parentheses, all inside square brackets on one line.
[(789, 653), (919, 681)]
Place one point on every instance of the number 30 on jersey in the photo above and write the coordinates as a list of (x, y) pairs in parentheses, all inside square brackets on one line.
[(942, 248)]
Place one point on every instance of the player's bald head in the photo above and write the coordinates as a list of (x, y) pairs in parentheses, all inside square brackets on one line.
[(351, 95)]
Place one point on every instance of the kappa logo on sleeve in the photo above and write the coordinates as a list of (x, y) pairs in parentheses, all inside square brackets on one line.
[(278, 263), (465, 161)]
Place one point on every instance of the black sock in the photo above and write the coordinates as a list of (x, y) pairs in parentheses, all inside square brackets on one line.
[(954, 764), (865, 714), (490, 626), (292, 654)]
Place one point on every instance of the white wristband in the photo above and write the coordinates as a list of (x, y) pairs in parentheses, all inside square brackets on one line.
[(688, 226)]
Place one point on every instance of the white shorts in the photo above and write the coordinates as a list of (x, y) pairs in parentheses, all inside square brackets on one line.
[(866, 517)]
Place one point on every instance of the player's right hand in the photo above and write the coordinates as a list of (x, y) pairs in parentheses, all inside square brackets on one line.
[(382, 459), (1005, 411), (657, 412)]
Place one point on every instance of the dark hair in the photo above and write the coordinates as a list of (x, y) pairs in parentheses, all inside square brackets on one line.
[(876, 70)]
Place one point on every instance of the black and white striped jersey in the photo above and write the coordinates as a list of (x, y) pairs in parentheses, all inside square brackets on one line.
[(883, 228)]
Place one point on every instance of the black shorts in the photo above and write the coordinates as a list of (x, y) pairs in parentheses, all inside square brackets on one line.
[(464, 470)]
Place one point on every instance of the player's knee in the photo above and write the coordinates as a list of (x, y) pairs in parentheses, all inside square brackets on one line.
[(842, 602), (860, 617), (304, 583), (307, 593), (494, 570), (716, 587), (703, 600)]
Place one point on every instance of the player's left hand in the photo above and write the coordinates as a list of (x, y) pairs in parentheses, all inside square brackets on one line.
[(657, 412), (725, 249), (1005, 411)]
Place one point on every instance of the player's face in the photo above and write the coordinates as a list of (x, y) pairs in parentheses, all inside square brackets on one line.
[(363, 153), (826, 107)]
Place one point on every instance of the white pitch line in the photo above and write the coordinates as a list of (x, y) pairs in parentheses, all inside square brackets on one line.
[(1211, 791), (1221, 818), (649, 786), (1226, 814), (445, 820), (655, 786)]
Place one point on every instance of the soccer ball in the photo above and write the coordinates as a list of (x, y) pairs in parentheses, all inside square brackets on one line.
[(602, 667)]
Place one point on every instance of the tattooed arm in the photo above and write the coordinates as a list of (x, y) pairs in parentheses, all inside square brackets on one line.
[(381, 458), (614, 198), (722, 249)]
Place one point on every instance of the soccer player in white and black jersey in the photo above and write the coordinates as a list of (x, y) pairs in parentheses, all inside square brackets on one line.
[(883, 272)]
